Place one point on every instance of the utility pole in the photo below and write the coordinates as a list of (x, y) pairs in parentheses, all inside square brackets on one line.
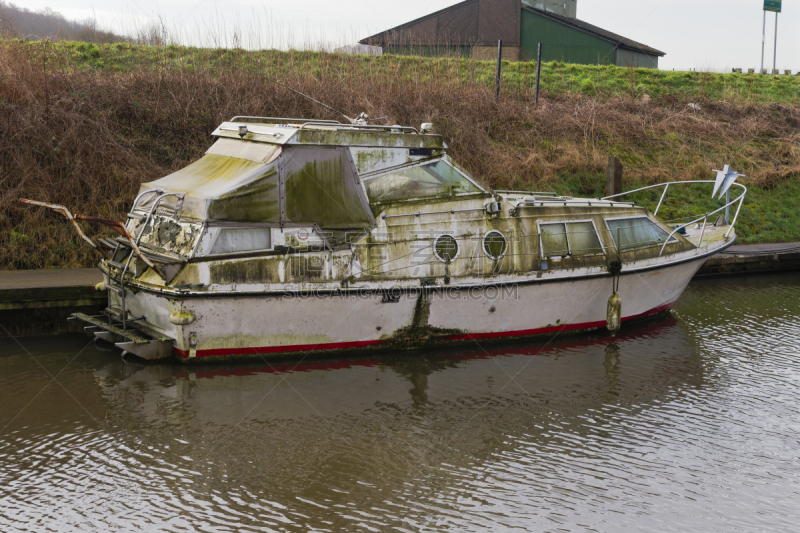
[(775, 6), (775, 53), (763, 42)]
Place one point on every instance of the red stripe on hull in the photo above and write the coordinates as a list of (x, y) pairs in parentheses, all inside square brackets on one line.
[(221, 352), (552, 329)]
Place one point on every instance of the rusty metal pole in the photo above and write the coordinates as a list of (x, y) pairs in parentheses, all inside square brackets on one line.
[(538, 72), (497, 76)]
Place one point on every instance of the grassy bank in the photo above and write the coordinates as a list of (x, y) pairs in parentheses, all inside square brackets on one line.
[(518, 77), (84, 125)]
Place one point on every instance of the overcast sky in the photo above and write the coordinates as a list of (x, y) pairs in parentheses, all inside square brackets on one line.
[(701, 34)]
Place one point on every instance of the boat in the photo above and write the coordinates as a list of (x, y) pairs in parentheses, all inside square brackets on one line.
[(296, 236)]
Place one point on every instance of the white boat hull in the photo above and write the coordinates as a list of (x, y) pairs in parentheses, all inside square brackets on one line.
[(256, 325)]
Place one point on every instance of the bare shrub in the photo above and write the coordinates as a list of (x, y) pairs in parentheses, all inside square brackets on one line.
[(89, 138)]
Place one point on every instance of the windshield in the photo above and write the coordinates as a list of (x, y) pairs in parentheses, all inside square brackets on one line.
[(432, 179), (636, 232)]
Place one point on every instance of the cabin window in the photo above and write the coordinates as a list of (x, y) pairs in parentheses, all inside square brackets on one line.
[(636, 232), (432, 179), (445, 248), (238, 240), (494, 244), (560, 239)]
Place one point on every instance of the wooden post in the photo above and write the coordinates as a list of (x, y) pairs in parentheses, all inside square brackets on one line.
[(614, 176), (497, 76), (538, 72)]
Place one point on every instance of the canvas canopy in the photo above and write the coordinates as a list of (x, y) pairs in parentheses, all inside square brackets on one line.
[(240, 181), (322, 187), (234, 180)]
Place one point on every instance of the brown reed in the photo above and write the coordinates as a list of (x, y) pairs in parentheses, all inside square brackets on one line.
[(88, 139)]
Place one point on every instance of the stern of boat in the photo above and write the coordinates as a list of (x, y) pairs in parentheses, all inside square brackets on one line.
[(143, 323)]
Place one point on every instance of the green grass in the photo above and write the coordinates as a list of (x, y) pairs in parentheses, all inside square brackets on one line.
[(89, 123), (556, 78)]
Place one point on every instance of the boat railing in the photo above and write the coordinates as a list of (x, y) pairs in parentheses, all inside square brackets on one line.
[(373, 127), (528, 193), (243, 118), (728, 203), (330, 123), (159, 196)]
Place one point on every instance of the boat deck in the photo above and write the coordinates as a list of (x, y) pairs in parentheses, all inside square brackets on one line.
[(709, 235)]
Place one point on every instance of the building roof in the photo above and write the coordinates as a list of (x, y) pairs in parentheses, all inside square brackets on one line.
[(618, 40), (411, 30), (381, 37), (464, 23)]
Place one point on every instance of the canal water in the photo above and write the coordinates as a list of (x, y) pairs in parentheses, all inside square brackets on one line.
[(688, 423)]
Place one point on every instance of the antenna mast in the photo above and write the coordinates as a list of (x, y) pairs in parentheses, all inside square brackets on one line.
[(361, 119)]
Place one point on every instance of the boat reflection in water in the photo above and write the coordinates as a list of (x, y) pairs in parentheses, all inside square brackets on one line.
[(687, 424), (410, 438), (656, 352)]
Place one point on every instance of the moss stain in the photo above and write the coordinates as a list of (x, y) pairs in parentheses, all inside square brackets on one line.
[(260, 270)]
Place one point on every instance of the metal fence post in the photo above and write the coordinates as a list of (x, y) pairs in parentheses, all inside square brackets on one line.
[(497, 76), (538, 72)]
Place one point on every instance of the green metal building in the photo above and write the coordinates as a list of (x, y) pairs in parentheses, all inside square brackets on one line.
[(473, 27)]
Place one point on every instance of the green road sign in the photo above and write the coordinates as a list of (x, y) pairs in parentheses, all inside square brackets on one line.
[(772, 5)]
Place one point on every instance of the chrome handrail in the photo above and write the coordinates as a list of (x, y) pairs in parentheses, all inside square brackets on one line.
[(530, 193), (286, 119), (367, 126), (139, 196), (419, 213), (663, 194), (153, 209), (739, 199), (665, 185), (138, 239)]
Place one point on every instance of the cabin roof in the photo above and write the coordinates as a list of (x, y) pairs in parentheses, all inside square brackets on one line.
[(241, 181), (285, 132), (227, 175)]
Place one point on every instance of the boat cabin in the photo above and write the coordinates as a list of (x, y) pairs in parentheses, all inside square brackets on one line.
[(293, 201)]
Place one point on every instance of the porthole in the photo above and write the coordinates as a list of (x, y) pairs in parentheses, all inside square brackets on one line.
[(494, 244), (445, 248)]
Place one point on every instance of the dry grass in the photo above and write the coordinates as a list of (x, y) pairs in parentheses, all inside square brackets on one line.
[(87, 138)]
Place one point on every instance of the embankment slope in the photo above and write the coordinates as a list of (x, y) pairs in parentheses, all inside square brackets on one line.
[(83, 125)]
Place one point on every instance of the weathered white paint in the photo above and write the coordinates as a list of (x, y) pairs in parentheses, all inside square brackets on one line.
[(241, 325)]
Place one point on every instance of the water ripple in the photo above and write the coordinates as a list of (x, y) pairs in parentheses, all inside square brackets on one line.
[(686, 424)]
